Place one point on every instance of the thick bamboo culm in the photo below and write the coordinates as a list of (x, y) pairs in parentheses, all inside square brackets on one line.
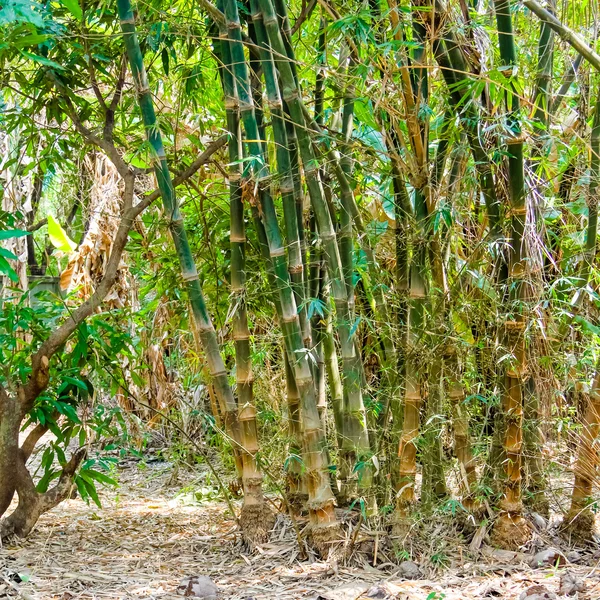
[(354, 410), (511, 523)]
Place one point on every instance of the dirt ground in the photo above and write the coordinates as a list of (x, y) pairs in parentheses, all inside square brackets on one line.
[(152, 532)]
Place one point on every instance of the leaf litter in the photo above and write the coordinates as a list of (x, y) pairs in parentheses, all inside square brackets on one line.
[(151, 535)]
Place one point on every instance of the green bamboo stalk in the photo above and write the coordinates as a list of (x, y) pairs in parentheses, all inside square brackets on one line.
[(532, 434), (543, 86), (317, 268), (317, 321), (201, 318), (580, 519), (323, 520), (320, 78), (296, 479), (566, 83), (511, 529), (592, 199), (289, 192), (565, 33), (350, 359), (256, 518), (454, 70)]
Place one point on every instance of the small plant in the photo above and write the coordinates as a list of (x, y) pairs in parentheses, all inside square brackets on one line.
[(439, 559), (402, 554)]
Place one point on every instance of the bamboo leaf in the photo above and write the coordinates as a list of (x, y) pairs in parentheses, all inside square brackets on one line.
[(8, 270), (12, 233), (74, 8), (42, 60)]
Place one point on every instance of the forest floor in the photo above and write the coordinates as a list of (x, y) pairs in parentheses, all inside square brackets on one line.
[(161, 526)]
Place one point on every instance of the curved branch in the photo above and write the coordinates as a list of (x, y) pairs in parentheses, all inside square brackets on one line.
[(184, 175), (32, 439), (566, 34)]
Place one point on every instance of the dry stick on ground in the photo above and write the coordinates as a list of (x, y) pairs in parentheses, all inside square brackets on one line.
[(224, 489)]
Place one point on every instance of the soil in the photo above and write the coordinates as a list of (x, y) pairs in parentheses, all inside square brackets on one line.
[(163, 526)]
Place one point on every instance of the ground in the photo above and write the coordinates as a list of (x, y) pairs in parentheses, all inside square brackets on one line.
[(152, 533)]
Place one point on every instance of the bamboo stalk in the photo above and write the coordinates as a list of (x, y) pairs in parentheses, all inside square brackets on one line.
[(344, 324), (201, 318), (511, 529), (323, 520), (256, 518), (580, 519), (564, 32)]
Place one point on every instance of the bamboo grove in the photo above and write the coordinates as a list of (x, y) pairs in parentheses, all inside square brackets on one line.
[(406, 195)]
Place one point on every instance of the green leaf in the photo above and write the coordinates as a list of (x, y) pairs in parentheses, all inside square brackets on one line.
[(101, 477), (8, 254), (90, 487), (78, 383), (30, 40), (58, 237), (587, 325), (8, 270), (12, 233), (42, 60), (74, 8), (80, 483)]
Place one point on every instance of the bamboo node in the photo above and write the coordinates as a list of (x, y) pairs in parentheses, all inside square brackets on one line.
[(515, 325), (518, 211), (247, 413), (241, 337), (274, 104), (517, 139), (269, 20), (190, 275)]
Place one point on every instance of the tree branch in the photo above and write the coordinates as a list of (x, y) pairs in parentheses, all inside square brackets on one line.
[(106, 146), (566, 34), (39, 362), (184, 175), (32, 439), (109, 122), (307, 10)]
